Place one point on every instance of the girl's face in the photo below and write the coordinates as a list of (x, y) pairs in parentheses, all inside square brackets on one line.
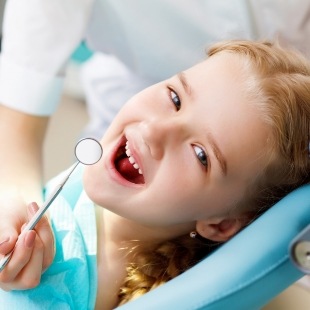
[(195, 142)]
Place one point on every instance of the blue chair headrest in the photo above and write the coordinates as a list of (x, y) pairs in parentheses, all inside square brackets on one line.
[(244, 273)]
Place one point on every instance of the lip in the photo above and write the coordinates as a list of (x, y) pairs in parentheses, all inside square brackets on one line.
[(114, 172)]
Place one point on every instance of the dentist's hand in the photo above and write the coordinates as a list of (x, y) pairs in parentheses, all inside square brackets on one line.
[(33, 250)]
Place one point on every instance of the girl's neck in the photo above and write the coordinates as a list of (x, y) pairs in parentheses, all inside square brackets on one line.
[(110, 266), (116, 236)]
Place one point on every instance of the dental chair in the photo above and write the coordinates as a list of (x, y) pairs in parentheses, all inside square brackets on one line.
[(249, 270)]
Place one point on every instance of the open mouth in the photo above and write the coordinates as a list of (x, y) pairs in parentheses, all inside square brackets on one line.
[(126, 165)]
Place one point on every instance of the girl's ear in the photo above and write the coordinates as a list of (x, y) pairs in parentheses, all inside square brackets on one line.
[(219, 229)]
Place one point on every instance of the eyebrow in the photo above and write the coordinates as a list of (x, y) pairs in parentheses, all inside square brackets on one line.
[(216, 150), (184, 83), (217, 153)]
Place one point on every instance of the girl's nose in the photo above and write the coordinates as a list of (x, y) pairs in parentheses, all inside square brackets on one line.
[(161, 134)]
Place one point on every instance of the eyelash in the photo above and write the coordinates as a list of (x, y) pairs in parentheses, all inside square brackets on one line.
[(200, 153)]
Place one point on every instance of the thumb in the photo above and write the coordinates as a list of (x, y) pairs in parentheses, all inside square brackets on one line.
[(14, 216), (8, 239), (32, 208)]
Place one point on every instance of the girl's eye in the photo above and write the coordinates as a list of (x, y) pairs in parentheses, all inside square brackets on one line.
[(201, 155), (175, 99)]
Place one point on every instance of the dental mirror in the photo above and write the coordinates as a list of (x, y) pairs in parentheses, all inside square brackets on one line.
[(88, 151)]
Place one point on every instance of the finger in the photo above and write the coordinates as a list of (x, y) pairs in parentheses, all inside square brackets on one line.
[(45, 233), (32, 208), (21, 256), (30, 275), (7, 240)]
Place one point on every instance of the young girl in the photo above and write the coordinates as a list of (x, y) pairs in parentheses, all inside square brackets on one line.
[(186, 164)]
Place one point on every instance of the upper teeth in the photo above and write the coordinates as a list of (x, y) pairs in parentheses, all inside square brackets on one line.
[(131, 159)]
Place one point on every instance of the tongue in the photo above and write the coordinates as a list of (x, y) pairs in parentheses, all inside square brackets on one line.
[(127, 170)]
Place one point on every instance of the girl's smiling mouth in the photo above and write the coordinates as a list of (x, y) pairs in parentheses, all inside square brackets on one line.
[(126, 165)]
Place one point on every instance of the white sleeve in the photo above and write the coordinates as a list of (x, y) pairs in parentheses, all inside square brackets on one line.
[(39, 36)]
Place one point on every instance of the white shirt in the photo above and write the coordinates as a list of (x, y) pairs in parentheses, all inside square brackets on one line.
[(156, 39)]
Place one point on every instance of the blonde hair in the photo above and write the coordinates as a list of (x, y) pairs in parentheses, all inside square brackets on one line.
[(281, 92), (280, 88)]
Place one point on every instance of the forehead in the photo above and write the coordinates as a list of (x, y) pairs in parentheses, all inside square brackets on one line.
[(224, 65)]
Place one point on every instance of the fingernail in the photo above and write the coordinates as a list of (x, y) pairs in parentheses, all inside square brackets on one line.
[(29, 239), (33, 207), (5, 240)]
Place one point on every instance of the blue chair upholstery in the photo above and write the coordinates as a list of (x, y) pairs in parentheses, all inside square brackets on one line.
[(246, 272)]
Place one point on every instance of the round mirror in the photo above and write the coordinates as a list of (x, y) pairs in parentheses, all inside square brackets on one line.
[(88, 151)]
